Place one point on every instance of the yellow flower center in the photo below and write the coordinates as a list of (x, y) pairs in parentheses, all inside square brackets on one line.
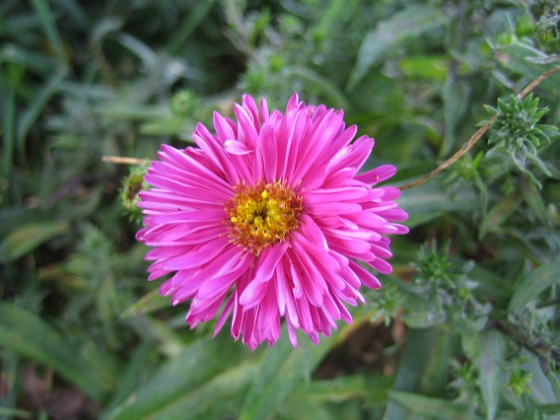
[(262, 215)]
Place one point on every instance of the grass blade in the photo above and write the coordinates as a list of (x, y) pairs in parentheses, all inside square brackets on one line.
[(9, 134), (24, 332), (30, 115), (51, 31), (413, 21)]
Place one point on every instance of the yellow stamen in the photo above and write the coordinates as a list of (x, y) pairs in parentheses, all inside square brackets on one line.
[(262, 215)]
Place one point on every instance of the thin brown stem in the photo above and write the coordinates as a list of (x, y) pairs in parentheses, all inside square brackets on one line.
[(123, 160), (477, 135)]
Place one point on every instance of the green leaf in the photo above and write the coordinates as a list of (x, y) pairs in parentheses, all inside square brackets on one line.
[(534, 283), (27, 334), (15, 413), (32, 112), (497, 215), (371, 388), (153, 329), (128, 381), (130, 111), (49, 26), (456, 99), (26, 238), (282, 370), (312, 78), (195, 379), (521, 57), (186, 28), (535, 201), (411, 22), (428, 201), (489, 363), (431, 67), (417, 355), (8, 102), (150, 302), (428, 406)]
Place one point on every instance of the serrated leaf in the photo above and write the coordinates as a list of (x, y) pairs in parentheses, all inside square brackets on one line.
[(413, 21), (534, 283)]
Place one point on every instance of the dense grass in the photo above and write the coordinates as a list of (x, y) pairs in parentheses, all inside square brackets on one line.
[(466, 327)]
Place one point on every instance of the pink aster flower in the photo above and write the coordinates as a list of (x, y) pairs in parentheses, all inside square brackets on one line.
[(268, 219)]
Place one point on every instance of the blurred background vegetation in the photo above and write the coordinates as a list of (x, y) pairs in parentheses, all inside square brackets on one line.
[(466, 327)]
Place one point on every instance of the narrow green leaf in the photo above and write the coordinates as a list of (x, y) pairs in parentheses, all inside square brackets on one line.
[(331, 19), (534, 200), (412, 367), (436, 374), (128, 381), (12, 53), (190, 23), (429, 200), (541, 388), (26, 238), (521, 57), (431, 67), (497, 215), (182, 377), (370, 388), (534, 283), (75, 12), (328, 88), (168, 340), (27, 334), (136, 46), (49, 26), (428, 406), (303, 408), (284, 369), (130, 111), (411, 22), (32, 112), (148, 303), (8, 101), (489, 362), (15, 413), (219, 398), (456, 100)]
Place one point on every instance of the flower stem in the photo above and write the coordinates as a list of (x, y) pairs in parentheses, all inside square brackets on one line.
[(123, 160)]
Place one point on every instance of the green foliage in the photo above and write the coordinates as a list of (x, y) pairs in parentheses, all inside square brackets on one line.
[(517, 132), (132, 185), (466, 330)]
